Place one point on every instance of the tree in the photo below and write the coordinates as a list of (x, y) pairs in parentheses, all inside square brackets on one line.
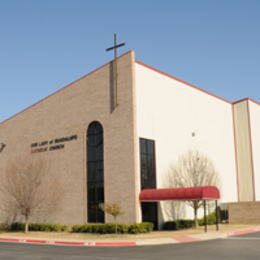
[(193, 169), (28, 190), (113, 209)]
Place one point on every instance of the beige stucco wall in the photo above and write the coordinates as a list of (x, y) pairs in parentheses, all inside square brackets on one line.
[(169, 111), (243, 145), (69, 112), (254, 111)]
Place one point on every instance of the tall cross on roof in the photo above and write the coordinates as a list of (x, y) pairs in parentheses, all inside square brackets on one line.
[(115, 65)]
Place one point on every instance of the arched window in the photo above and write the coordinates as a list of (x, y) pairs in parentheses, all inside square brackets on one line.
[(95, 172)]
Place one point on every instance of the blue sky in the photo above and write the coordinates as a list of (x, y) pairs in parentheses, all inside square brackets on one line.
[(47, 44)]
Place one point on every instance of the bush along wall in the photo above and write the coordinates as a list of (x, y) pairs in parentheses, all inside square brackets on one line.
[(178, 224), (188, 223), (18, 226), (211, 219), (109, 228)]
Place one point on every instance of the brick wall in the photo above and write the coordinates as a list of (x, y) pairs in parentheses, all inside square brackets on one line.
[(244, 212), (69, 112)]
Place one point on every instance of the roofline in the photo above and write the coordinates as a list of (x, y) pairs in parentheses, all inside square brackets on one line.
[(140, 63), (190, 85), (246, 99), (54, 93), (181, 81)]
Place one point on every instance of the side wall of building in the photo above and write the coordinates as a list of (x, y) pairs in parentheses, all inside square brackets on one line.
[(243, 127), (180, 117), (69, 112), (254, 110)]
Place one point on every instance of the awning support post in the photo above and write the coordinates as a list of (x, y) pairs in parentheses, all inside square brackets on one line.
[(216, 215), (205, 217)]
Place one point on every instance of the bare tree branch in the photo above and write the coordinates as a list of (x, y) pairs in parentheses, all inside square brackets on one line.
[(193, 169), (27, 188)]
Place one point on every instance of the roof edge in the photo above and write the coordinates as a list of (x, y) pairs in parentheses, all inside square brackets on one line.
[(181, 81), (246, 99), (54, 93)]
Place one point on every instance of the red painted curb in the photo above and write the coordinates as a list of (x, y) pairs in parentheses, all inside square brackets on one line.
[(243, 232), (53, 242)]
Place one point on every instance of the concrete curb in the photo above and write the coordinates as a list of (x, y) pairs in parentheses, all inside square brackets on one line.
[(235, 233), (71, 243), (139, 242)]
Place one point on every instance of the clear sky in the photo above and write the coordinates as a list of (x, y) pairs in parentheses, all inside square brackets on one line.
[(47, 44)]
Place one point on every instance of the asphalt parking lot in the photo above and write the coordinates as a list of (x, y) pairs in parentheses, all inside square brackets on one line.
[(245, 246)]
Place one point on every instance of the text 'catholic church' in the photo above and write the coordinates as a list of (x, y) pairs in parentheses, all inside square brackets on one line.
[(107, 144)]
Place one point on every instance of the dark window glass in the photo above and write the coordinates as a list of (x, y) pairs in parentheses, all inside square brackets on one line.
[(91, 129), (150, 147), (91, 172), (91, 140), (147, 155), (99, 175), (100, 193), (143, 145), (100, 215), (99, 138), (95, 172), (149, 213), (150, 162), (99, 129), (91, 194), (92, 215), (99, 153), (144, 161), (148, 180)]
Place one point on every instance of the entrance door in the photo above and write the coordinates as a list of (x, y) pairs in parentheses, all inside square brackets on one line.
[(150, 213)]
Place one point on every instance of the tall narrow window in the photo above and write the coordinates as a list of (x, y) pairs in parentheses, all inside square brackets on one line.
[(148, 180), (95, 173), (147, 154)]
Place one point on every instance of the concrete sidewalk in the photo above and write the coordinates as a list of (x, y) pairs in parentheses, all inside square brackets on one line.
[(154, 238)]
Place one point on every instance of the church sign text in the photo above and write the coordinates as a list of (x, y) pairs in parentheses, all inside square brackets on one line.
[(51, 145)]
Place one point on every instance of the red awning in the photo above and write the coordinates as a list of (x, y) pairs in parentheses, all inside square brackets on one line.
[(191, 193)]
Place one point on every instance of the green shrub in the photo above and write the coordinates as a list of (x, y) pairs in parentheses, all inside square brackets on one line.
[(178, 224), (140, 228), (63, 228), (33, 227), (108, 228), (170, 225), (148, 226), (96, 228), (55, 227), (186, 223), (211, 219), (122, 228), (44, 227), (76, 228), (17, 226), (136, 228)]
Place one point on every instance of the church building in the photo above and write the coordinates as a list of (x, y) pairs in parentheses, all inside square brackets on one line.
[(109, 141)]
